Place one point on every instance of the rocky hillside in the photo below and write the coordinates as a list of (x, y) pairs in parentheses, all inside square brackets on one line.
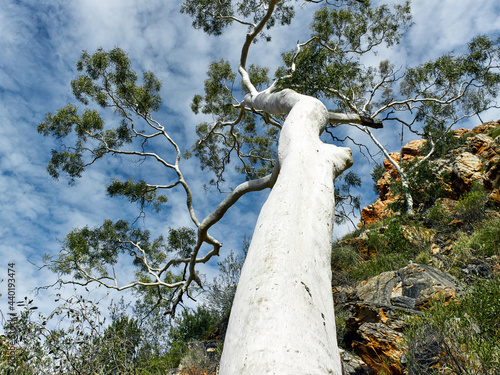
[(402, 284), (420, 294)]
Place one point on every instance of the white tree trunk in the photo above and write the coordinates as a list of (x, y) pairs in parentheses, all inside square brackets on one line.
[(282, 320)]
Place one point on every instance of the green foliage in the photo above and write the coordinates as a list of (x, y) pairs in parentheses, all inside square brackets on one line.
[(108, 81), (221, 292), (462, 336), (447, 74), (390, 240), (119, 341), (214, 16), (190, 326), (482, 242), (347, 32), (426, 184), (75, 332), (218, 98), (341, 327), (444, 140), (139, 192), (181, 241), (377, 172), (394, 247), (254, 146), (472, 206), (345, 260), (93, 249), (438, 217), (194, 326), (259, 76), (197, 360), (494, 132), (211, 16)]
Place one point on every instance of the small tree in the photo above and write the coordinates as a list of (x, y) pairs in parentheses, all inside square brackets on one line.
[(282, 317)]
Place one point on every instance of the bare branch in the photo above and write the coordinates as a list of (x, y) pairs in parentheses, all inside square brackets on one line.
[(246, 46), (342, 118)]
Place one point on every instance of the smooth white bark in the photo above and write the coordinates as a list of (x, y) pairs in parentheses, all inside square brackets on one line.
[(282, 320)]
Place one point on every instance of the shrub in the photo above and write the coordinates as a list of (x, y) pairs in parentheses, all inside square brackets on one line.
[(194, 326), (483, 242), (438, 216), (341, 327), (462, 336), (447, 142), (197, 361), (423, 258), (392, 244), (344, 260), (190, 326), (472, 206), (381, 263)]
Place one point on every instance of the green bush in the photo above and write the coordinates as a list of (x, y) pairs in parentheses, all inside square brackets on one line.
[(438, 216), (381, 263), (190, 326), (462, 336), (344, 260), (341, 327), (377, 172), (197, 358), (472, 206), (194, 326), (393, 250), (483, 242)]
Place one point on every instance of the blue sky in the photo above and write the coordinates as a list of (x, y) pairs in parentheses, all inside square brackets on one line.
[(40, 43)]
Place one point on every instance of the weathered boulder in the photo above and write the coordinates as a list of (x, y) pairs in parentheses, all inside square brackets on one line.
[(467, 167), (375, 309), (416, 282), (379, 210), (412, 148), (380, 348)]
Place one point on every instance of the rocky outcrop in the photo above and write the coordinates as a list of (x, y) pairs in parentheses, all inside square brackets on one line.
[(410, 287), (375, 312), (378, 210), (477, 161)]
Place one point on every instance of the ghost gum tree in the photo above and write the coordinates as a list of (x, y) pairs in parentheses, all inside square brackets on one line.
[(282, 320)]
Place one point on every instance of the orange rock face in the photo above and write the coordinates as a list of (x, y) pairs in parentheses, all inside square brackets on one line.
[(378, 210), (375, 212), (477, 161)]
